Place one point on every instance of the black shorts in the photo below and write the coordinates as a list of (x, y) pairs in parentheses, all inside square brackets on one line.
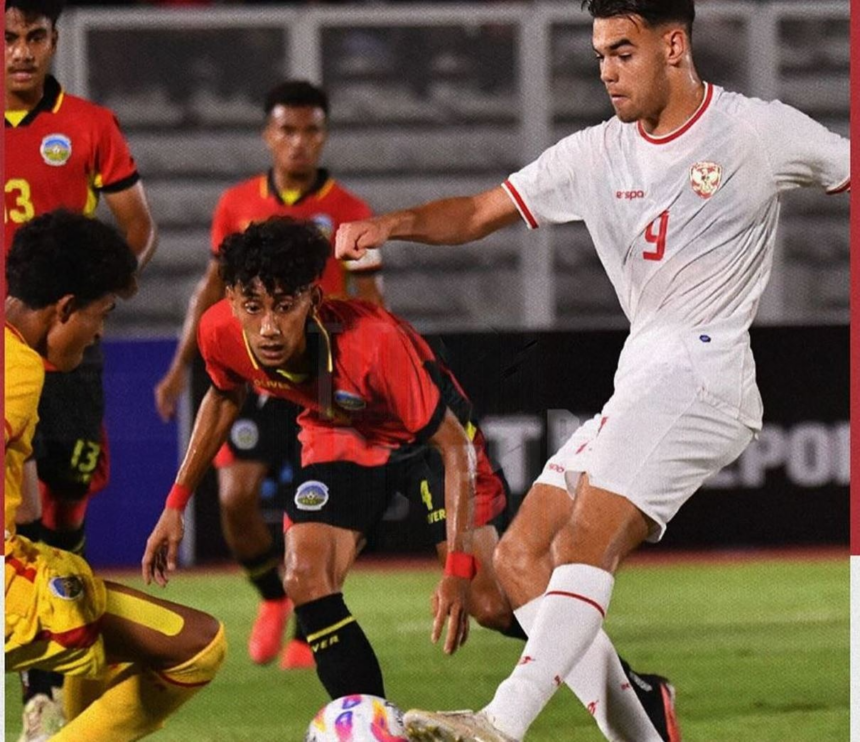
[(68, 444), (265, 431), (343, 494)]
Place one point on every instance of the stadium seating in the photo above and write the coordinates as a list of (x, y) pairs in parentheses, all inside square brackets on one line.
[(420, 111)]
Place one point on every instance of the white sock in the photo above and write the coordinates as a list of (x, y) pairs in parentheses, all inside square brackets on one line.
[(568, 619), (600, 683)]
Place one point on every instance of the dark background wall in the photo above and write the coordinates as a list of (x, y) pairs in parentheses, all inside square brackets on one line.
[(790, 487)]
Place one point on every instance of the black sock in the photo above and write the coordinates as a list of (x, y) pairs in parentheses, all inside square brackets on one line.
[(515, 631), (263, 573), (346, 663), (34, 682), (31, 530), (298, 634), (74, 541)]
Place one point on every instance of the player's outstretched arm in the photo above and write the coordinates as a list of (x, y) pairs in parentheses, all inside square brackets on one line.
[(451, 599), (449, 221), (216, 415), (209, 290)]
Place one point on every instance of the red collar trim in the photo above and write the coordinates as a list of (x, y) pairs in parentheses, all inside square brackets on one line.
[(703, 106)]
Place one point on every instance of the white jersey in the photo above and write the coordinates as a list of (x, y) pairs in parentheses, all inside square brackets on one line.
[(684, 224)]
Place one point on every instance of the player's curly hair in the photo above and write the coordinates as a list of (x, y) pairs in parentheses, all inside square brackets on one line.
[(654, 12), (294, 94), (33, 9), (61, 253), (284, 253)]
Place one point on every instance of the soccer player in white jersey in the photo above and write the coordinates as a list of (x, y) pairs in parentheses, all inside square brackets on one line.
[(680, 192)]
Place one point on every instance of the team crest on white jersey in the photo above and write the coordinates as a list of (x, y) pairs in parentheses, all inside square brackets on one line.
[(705, 177), (56, 149)]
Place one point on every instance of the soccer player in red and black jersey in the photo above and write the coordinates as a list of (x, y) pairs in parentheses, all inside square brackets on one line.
[(381, 413), (295, 135), (63, 152)]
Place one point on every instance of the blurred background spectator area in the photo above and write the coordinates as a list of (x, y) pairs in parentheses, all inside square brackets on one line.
[(430, 101)]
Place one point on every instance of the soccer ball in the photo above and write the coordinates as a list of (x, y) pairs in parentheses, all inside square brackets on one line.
[(358, 718)]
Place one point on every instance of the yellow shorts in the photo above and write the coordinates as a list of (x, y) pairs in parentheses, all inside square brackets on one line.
[(54, 609)]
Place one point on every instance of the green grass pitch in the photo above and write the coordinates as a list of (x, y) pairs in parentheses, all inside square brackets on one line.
[(758, 650)]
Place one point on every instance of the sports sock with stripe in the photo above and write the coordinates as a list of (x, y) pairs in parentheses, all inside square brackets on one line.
[(568, 619), (598, 680), (346, 663), (263, 572)]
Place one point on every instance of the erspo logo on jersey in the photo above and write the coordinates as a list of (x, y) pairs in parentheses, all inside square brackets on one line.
[(56, 149), (629, 195), (705, 178)]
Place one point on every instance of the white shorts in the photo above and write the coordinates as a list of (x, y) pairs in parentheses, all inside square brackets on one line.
[(654, 445)]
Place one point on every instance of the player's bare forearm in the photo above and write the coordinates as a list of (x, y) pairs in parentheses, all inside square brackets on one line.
[(458, 457), (448, 221), (131, 211), (215, 416), (451, 598)]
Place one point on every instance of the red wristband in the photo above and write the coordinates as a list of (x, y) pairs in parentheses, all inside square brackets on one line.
[(178, 496), (458, 564)]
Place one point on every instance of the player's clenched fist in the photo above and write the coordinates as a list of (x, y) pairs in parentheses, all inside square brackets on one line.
[(354, 238)]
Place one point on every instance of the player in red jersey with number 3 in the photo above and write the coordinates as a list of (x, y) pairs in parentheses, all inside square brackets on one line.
[(689, 260)]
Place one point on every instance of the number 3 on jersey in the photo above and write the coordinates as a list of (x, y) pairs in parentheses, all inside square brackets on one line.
[(22, 209), (656, 235)]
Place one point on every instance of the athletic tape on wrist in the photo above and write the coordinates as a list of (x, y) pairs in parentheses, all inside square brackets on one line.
[(178, 496), (458, 564)]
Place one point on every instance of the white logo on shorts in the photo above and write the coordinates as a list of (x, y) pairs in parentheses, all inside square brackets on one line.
[(311, 495), (245, 434)]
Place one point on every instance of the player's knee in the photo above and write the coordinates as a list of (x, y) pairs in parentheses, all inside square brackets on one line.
[(235, 499), (490, 609), (511, 558), (304, 580), (204, 663)]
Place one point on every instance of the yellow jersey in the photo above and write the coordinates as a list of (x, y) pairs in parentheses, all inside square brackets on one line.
[(24, 377)]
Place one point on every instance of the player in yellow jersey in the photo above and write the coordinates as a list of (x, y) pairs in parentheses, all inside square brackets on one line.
[(63, 273)]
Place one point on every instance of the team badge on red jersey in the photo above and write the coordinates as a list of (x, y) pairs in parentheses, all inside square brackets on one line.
[(56, 149), (325, 224), (705, 177), (348, 401)]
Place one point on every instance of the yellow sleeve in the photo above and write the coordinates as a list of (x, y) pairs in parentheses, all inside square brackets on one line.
[(23, 380)]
